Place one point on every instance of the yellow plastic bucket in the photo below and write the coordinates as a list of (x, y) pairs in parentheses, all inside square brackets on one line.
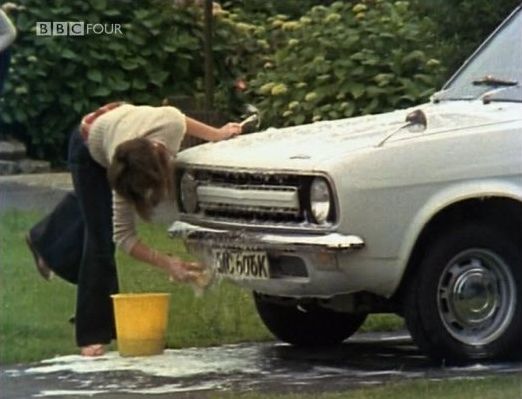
[(141, 323)]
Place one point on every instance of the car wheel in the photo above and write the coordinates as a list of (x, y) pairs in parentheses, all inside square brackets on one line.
[(465, 302), (306, 325)]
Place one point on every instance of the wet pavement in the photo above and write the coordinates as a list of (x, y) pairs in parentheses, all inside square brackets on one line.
[(33, 192), (364, 360)]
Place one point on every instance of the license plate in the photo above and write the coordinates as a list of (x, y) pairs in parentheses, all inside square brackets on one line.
[(242, 264)]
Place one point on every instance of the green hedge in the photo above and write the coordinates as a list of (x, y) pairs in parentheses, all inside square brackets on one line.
[(463, 24), (329, 61), (347, 59), (292, 8), (55, 80)]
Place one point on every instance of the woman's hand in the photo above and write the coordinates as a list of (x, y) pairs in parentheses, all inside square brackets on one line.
[(229, 130), (182, 271), (203, 131), (177, 269)]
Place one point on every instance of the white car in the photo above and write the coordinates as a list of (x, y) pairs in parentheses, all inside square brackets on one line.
[(416, 212)]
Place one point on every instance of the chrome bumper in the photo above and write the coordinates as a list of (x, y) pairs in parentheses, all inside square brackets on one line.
[(324, 242)]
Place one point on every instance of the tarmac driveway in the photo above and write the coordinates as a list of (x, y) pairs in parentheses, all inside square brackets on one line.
[(364, 360)]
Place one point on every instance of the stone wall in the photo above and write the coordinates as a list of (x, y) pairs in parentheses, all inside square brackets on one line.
[(13, 160)]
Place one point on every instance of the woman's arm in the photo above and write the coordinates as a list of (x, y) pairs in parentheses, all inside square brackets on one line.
[(126, 238), (176, 268), (203, 131)]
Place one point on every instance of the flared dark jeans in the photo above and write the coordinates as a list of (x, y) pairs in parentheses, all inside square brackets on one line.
[(75, 240)]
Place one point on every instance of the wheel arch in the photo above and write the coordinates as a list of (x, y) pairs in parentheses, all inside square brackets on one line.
[(502, 211)]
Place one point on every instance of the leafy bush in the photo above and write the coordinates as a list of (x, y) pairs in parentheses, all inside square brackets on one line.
[(335, 61), (463, 24), (55, 80), (347, 59), (239, 45), (292, 8)]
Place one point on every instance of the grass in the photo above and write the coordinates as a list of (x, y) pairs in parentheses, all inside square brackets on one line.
[(507, 387), (34, 314)]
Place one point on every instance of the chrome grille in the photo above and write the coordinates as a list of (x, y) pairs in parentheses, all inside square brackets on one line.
[(260, 199), (252, 197)]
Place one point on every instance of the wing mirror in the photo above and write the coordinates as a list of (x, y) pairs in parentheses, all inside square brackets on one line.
[(416, 121)]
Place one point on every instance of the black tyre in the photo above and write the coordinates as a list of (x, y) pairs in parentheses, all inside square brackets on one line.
[(466, 300), (307, 325)]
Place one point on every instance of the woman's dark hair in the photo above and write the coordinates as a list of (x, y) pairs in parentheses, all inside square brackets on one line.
[(142, 173)]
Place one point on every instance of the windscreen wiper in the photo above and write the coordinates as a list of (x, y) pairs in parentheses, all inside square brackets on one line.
[(490, 80)]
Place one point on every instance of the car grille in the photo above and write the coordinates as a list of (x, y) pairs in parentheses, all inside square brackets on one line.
[(252, 198)]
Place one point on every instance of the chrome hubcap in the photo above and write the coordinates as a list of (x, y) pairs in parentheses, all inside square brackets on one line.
[(476, 297)]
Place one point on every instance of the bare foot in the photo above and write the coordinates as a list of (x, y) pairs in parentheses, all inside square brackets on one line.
[(92, 350)]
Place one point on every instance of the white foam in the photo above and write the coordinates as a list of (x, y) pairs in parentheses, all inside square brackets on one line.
[(172, 363), (50, 393)]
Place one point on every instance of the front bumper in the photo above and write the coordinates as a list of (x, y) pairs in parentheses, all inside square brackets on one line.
[(324, 242), (301, 265)]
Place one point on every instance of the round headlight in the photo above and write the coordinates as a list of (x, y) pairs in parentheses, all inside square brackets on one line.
[(188, 192), (320, 200)]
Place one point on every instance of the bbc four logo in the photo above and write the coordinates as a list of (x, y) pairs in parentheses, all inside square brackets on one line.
[(76, 28)]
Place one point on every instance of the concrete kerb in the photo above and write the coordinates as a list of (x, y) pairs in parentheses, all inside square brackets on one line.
[(57, 181), (42, 191)]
